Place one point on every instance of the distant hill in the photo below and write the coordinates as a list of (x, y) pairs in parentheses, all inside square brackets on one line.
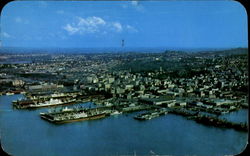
[(233, 51), (176, 53), (225, 52)]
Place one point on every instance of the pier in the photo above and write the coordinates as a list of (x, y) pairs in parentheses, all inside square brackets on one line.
[(214, 121), (209, 120), (151, 114), (37, 101), (153, 111)]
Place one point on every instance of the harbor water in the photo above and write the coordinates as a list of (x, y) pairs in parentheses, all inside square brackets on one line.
[(24, 133)]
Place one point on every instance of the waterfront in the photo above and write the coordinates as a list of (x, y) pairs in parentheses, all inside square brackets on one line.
[(24, 133)]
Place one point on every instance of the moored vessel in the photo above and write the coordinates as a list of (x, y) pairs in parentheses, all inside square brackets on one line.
[(72, 115), (21, 104)]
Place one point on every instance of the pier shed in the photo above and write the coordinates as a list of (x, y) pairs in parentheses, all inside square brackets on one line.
[(158, 101)]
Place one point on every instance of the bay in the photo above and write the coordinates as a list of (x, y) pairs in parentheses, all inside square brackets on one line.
[(24, 133)]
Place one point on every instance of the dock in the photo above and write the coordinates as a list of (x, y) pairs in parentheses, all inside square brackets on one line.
[(196, 116), (151, 114), (53, 100), (214, 121)]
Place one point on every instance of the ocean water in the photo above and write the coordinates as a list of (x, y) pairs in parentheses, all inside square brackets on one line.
[(23, 133)]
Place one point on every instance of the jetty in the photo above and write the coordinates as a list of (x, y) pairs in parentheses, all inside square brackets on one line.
[(214, 121), (151, 114)]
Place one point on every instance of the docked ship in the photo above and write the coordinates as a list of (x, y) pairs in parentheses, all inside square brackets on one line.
[(36, 104), (72, 115), (9, 93), (115, 113), (14, 92)]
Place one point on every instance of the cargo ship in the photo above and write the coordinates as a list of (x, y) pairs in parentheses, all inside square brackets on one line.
[(67, 115), (21, 104)]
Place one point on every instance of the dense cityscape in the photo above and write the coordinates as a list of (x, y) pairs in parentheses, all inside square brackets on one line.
[(197, 85)]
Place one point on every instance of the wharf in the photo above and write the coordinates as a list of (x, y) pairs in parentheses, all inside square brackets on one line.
[(209, 120), (134, 108), (13, 92), (244, 105), (183, 112), (151, 114), (154, 111), (194, 115), (214, 121), (65, 115), (50, 101), (214, 110), (28, 104)]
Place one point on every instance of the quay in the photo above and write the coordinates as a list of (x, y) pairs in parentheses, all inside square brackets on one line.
[(209, 120), (13, 92), (30, 104), (214, 121), (66, 115), (183, 112), (151, 114), (193, 115), (53, 100), (80, 113)]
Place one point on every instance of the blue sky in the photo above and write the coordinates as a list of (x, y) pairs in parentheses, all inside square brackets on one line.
[(83, 24)]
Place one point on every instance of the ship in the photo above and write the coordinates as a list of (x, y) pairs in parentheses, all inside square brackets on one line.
[(36, 104), (9, 93), (67, 115), (14, 92), (115, 113)]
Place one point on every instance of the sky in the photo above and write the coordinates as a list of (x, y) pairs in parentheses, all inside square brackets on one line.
[(86, 24)]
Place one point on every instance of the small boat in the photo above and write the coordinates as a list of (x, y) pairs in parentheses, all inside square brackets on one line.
[(115, 113), (9, 93)]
